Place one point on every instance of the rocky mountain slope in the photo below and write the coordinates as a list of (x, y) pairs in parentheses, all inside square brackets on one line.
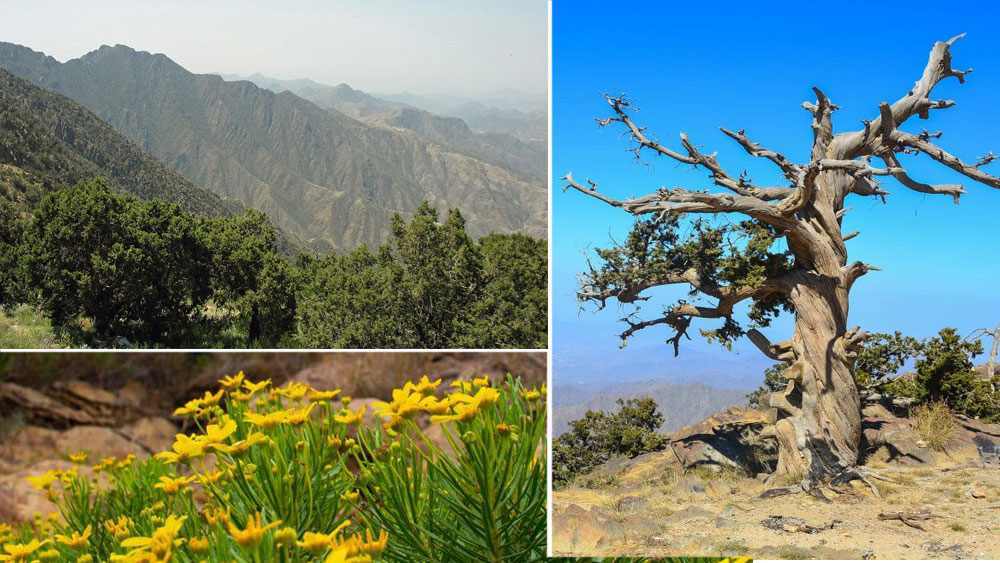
[(681, 403), (48, 141), (319, 174), (498, 148)]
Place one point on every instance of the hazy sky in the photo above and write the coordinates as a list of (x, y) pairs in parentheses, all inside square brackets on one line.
[(750, 67), (427, 47)]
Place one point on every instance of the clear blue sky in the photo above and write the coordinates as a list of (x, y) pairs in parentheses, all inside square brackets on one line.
[(697, 66)]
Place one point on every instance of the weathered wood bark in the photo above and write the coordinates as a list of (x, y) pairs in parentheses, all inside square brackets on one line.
[(819, 422)]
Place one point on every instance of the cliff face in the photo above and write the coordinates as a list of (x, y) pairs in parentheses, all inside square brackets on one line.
[(319, 174)]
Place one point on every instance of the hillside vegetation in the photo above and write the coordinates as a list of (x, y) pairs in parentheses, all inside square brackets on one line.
[(48, 141), (109, 269)]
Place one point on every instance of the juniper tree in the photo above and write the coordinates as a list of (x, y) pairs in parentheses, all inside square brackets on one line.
[(818, 429)]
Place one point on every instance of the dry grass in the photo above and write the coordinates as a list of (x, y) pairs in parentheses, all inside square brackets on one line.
[(934, 423), (717, 473)]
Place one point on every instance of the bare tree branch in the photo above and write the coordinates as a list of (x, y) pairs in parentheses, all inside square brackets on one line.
[(780, 352), (683, 201), (917, 101), (948, 159), (822, 124), (790, 169)]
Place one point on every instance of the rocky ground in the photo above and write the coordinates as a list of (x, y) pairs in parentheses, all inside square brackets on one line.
[(44, 419), (938, 505)]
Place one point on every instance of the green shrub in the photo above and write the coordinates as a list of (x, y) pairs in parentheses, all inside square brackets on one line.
[(592, 440)]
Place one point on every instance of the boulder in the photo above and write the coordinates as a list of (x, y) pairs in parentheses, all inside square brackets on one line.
[(98, 441), (19, 501), (577, 530), (39, 408), (152, 434), (731, 438)]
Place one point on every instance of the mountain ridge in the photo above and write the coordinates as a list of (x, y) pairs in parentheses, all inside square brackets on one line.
[(48, 141), (682, 404), (500, 148), (321, 175)]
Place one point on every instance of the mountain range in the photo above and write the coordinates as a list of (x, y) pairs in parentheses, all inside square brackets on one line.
[(681, 404), (528, 157), (49, 141), (323, 176)]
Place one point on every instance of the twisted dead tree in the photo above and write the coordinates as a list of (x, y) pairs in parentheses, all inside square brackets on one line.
[(818, 429)]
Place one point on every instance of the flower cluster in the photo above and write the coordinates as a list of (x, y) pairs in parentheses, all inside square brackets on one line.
[(293, 473)]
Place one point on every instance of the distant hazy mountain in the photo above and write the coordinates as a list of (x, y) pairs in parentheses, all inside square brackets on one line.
[(499, 148), (48, 141), (327, 178), (681, 403), (525, 117)]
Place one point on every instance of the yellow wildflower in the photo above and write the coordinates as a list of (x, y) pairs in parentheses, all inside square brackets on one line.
[(185, 447), (362, 546), (285, 536), (172, 485), (350, 496), (198, 545), (45, 480), (232, 381), (483, 381), (462, 412), (463, 386), (532, 395), (85, 558), (315, 395), (423, 386), (215, 515), (210, 477), (351, 417), (405, 403), (266, 420), (76, 540), (160, 545), (192, 407), (253, 388), (315, 542), (244, 444), (299, 416), (20, 551), (78, 457), (119, 528), (251, 535), (293, 390), (126, 461), (216, 433)]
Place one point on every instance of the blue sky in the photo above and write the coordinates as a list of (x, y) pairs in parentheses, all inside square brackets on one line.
[(694, 67)]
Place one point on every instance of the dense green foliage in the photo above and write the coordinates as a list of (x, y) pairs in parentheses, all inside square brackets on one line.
[(109, 269), (10, 239), (943, 373), (594, 439), (430, 286), (136, 269), (710, 257)]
